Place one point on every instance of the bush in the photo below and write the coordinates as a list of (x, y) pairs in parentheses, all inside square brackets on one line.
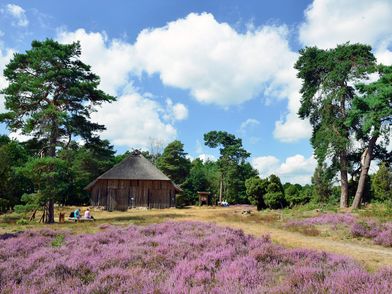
[(274, 200), (22, 221), (181, 201)]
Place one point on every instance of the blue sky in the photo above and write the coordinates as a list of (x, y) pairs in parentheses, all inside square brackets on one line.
[(183, 68)]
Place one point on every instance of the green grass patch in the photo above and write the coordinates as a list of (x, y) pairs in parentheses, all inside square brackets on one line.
[(58, 241)]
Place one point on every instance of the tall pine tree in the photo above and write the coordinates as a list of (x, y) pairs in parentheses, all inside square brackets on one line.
[(50, 96)]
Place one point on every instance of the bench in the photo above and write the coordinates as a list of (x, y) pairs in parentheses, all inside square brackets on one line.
[(74, 219)]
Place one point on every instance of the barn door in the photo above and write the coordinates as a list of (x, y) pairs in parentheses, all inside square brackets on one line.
[(112, 199)]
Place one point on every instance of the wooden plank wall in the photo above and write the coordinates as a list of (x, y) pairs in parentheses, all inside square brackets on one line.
[(124, 194)]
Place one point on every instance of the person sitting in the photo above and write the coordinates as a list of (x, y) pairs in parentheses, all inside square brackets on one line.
[(87, 214), (77, 214)]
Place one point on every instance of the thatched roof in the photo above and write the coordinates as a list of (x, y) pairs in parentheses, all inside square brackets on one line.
[(134, 167)]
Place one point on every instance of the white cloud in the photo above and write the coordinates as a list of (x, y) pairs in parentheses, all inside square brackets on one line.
[(266, 165), (175, 111), (132, 121), (207, 157), (214, 62), (249, 123), (332, 22), (217, 64), (295, 169), (19, 136), (335, 22), (292, 128), (111, 60), (248, 131), (5, 57), (19, 14)]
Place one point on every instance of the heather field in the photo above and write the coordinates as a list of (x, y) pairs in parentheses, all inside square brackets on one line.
[(174, 257), (363, 236)]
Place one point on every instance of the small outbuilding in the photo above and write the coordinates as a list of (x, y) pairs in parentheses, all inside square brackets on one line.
[(204, 198), (134, 182)]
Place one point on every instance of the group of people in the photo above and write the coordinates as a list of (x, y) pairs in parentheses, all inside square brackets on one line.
[(76, 215)]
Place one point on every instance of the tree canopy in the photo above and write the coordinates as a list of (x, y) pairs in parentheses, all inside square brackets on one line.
[(173, 162)]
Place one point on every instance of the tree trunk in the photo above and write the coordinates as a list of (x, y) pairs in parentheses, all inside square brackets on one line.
[(343, 180), (221, 190), (52, 153), (365, 165)]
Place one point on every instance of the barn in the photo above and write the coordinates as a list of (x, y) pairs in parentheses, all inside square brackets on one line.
[(134, 182)]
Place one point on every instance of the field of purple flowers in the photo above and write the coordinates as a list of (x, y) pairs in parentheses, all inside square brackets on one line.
[(380, 233), (174, 257)]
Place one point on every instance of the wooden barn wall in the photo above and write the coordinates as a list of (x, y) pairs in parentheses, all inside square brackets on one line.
[(124, 194)]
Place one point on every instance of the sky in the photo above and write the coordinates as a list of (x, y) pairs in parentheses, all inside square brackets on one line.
[(180, 69)]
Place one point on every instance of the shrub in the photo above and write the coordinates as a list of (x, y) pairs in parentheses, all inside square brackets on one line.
[(22, 221)]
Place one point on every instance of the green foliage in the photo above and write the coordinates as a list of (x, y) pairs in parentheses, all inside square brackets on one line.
[(51, 94), (85, 164), (231, 147), (174, 163), (382, 184), (22, 221), (232, 164), (274, 198), (327, 89), (255, 190), (327, 93), (371, 112), (12, 185), (235, 190), (33, 201), (294, 195), (322, 184), (50, 177), (381, 211), (58, 241), (202, 177)]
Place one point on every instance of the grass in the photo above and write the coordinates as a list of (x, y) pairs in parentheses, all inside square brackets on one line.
[(256, 223)]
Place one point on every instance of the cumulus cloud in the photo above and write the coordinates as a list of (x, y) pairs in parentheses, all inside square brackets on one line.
[(207, 157), (291, 128), (210, 59), (332, 22), (133, 121), (18, 13), (249, 123), (175, 111), (5, 57), (214, 62), (110, 59), (328, 23), (295, 169)]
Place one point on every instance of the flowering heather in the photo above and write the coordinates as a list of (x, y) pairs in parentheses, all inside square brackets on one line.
[(328, 219), (173, 257), (380, 233)]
